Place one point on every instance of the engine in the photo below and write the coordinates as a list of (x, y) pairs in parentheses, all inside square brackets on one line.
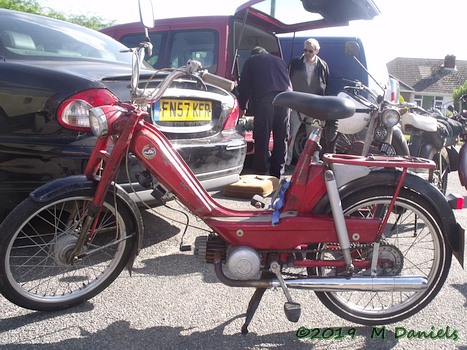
[(241, 262)]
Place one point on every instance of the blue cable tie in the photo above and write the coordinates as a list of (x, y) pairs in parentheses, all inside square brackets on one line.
[(278, 203)]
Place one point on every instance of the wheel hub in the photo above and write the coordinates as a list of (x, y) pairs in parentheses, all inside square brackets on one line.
[(390, 260), (381, 133), (63, 248)]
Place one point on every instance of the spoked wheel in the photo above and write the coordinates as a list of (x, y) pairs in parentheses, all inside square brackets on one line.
[(413, 244), (38, 239), (343, 142), (353, 144)]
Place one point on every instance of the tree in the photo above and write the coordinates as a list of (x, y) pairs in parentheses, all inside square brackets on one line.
[(457, 93), (33, 6)]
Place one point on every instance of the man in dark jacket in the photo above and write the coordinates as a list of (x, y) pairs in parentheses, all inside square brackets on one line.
[(263, 77), (308, 73)]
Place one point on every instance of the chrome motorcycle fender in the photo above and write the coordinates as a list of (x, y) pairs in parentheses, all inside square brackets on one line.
[(58, 187), (388, 177)]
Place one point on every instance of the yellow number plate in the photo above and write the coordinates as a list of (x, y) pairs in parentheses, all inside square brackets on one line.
[(182, 110)]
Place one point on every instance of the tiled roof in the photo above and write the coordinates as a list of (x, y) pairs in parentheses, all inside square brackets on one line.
[(428, 75)]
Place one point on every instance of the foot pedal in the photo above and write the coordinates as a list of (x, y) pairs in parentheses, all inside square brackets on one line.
[(291, 308), (292, 311)]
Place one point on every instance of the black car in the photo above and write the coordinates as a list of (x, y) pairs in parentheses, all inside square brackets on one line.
[(47, 64)]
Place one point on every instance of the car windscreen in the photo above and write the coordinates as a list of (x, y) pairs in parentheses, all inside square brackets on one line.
[(25, 36), (180, 46)]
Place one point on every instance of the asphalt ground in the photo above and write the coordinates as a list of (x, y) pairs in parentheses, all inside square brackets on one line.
[(173, 301)]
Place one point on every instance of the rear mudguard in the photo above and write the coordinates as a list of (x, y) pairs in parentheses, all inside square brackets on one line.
[(389, 177), (58, 187)]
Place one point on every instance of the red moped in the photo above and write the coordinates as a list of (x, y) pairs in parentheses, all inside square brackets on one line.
[(371, 239)]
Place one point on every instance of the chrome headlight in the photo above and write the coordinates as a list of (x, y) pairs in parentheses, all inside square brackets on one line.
[(98, 122), (390, 117)]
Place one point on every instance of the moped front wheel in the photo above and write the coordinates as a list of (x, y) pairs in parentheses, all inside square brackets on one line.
[(413, 244), (37, 240)]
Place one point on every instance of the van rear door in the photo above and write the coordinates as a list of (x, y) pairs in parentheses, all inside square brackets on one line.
[(287, 16), (256, 22)]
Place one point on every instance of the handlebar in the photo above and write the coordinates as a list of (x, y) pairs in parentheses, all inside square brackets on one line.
[(216, 80), (377, 100), (360, 87)]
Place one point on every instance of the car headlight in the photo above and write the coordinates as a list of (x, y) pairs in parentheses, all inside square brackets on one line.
[(390, 117), (98, 122)]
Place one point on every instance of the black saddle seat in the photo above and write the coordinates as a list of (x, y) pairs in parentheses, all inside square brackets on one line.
[(316, 106)]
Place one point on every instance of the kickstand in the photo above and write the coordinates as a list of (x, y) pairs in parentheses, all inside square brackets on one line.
[(252, 306), (254, 303)]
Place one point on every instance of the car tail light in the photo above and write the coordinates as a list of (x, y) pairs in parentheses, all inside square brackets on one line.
[(232, 118), (73, 112)]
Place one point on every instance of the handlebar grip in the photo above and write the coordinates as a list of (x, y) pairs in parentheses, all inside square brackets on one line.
[(216, 80)]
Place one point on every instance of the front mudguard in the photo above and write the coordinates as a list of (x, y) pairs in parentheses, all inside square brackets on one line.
[(390, 177), (399, 142), (58, 187)]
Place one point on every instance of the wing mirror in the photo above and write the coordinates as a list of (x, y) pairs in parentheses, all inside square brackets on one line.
[(146, 13), (352, 48)]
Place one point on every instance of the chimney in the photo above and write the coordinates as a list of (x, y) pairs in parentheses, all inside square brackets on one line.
[(450, 62)]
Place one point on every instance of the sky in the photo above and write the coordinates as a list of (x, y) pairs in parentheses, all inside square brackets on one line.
[(405, 28)]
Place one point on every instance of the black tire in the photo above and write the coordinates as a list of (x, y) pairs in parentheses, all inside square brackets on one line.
[(300, 141), (34, 243), (414, 236)]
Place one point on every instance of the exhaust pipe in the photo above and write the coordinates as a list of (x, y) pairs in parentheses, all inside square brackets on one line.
[(330, 284), (363, 284)]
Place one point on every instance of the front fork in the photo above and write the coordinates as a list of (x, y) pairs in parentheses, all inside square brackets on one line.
[(109, 163), (87, 230), (370, 133)]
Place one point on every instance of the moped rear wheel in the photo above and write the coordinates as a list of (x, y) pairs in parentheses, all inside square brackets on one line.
[(413, 242), (37, 239)]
